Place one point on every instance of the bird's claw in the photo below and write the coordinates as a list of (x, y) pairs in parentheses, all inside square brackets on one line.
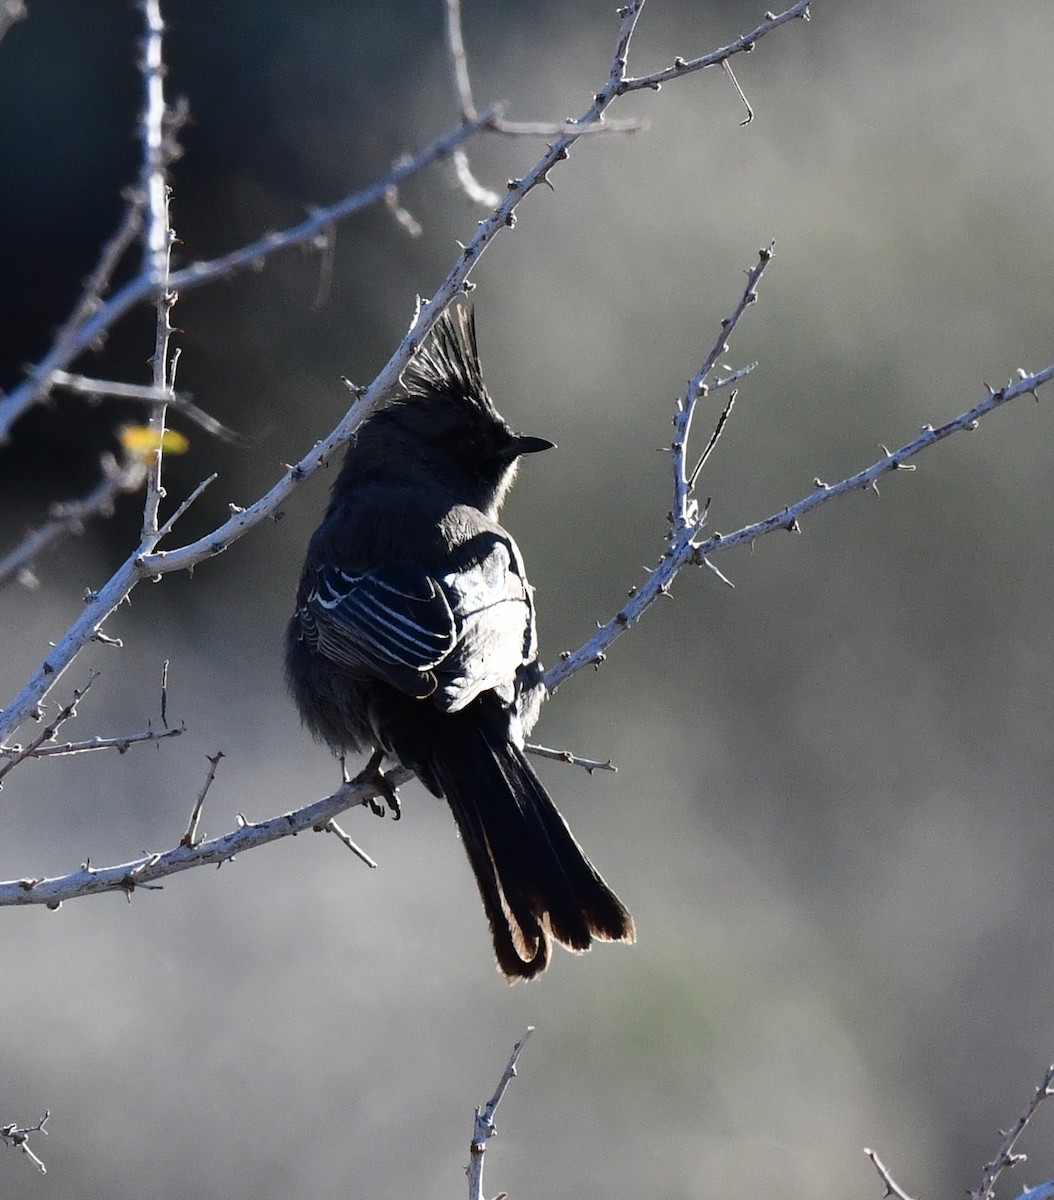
[(372, 773)]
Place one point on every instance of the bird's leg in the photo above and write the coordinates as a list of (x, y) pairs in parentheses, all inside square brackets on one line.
[(371, 773)]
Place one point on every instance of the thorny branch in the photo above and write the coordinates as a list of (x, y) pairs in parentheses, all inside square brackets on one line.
[(1004, 1157), (145, 870), (18, 1137), (47, 733), (686, 548), (105, 315), (686, 543), (157, 249), (146, 562), (483, 1126), (892, 1187), (68, 517), (190, 838)]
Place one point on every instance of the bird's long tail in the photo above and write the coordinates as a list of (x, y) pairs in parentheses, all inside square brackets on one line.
[(536, 883)]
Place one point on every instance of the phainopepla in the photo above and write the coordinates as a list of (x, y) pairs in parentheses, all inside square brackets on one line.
[(414, 636)]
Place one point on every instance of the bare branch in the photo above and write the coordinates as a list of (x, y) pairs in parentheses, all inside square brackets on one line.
[(483, 1126), (69, 517), (104, 316), (20, 754), (96, 285), (458, 61), (184, 505), (1005, 1156), (158, 239), (685, 547), (180, 401), (892, 1187), (146, 561), (402, 215), (686, 520), (684, 515), (190, 838), (742, 45), (331, 826), (18, 1137), (470, 185), (127, 877), (574, 760), (119, 743), (726, 66)]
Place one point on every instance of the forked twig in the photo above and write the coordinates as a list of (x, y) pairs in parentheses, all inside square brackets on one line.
[(18, 1137)]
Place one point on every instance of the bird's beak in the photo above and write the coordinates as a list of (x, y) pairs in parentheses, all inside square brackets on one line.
[(531, 445)]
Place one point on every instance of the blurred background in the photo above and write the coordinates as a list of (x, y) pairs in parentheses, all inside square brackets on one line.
[(832, 815)]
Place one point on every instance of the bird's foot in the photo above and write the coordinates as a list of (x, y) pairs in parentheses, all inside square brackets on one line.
[(372, 773)]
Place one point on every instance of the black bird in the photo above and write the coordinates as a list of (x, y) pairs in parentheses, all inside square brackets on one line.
[(414, 636)]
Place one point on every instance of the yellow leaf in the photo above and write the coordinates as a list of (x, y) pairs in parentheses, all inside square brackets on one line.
[(142, 441)]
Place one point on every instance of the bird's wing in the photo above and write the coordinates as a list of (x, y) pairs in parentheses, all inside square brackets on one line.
[(491, 601), (394, 623)]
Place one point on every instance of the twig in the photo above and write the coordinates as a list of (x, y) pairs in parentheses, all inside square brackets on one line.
[(68, 517), (726, 66), (565, 756), (158, 238), (127, 877), (190, 838), (892, 1187), (483, 1125), (33, 749), (686, 518), (105, 315), (715, 437), (470, 185), (95, 287), (331, 826), (1005, 1156), (744, 44), (458, 60), (148, 563), (180, 401), (164, 694), (120, 743), (184, 505), (686, 548), (472, 188), (402, 215), (18, 1137)]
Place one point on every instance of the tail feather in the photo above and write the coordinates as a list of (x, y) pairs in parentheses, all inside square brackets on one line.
[(536, 883), (520, 944)]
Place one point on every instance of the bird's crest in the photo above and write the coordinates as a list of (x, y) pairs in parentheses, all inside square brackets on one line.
[(447, 366)]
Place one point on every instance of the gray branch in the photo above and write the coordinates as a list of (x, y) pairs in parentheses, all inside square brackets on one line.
[(146, 562), (483, 1125)]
